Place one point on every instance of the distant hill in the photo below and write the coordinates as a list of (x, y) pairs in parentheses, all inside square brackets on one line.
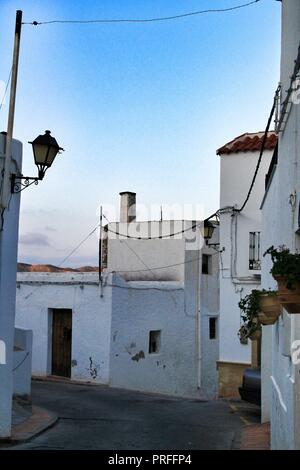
[(49, 268)]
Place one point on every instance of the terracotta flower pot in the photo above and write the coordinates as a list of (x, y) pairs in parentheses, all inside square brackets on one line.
[(270, 309), (267, 320), (288, 298)]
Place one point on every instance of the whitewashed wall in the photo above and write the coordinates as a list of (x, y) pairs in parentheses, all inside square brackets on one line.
[(114, 329), (282, 387), (127, 255), (209, 307), (188, 315), (22, 362), (8, 268), (38, 293), (236, 280), (153, 306)]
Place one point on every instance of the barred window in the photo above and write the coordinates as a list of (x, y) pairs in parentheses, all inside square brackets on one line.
[(254, 251)]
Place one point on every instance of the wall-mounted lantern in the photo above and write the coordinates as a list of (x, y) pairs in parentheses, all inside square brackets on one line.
[(208, 230), (45, 148)]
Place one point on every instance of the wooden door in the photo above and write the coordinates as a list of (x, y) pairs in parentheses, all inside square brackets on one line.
[(61, 342)]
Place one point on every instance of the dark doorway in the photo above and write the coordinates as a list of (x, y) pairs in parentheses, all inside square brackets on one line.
[(61, 342)]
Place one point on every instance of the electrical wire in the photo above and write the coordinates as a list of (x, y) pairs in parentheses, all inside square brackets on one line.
[(286, 102), (160, 267), (145, 288), (263, 144), (67, 257), (146, 265), (145, 20), (159, 237), (78, 246), (6, 88), (21, 362), (153, 238)]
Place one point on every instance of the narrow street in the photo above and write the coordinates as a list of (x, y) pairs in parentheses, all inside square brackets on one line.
[(97, 417)]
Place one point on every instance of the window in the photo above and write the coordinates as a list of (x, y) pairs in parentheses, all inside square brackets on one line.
[(206, 264), (154, 341), (213, 327), (254, 250)]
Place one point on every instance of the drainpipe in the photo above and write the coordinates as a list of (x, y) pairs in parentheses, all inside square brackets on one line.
[(198, 318)]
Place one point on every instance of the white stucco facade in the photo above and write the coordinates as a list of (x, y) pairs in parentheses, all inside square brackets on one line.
[(38, 294), (112, 325), (236, 279), (8, 268), (180, 307), (22, 364), (281, 378)]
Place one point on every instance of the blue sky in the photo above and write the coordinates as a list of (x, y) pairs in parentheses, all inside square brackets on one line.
[(140, 107)]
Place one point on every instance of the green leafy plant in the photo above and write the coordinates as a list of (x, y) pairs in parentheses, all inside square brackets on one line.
[(249, 306), (285, 264)]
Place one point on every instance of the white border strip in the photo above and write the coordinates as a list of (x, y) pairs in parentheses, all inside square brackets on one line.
[(279, 394)]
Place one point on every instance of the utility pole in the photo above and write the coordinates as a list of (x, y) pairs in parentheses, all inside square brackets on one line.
[(100, 255), (5, 193)]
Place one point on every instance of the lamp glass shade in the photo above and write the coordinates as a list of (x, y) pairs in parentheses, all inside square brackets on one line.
[(44, 155), (208, 230), (45, 149)]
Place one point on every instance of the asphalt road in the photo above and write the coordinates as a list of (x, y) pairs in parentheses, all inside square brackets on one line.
[(98, 417)]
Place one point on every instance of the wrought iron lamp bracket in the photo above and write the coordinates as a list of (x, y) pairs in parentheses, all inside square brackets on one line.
[(20, 182)]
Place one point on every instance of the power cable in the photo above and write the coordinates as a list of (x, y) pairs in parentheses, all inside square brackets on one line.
[(147, 267), (145, 20), (161, 236), (6, 88), (286, 102), (69, 255), (78, 246), (146, 288), (160, 267), (263, 144), (21, 362)]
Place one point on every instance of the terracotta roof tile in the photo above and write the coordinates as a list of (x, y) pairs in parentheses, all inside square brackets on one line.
[(248, 143)]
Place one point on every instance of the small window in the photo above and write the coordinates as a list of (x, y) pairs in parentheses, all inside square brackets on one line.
[(254, 251), (206, 264), (154, 341), (213, 328)]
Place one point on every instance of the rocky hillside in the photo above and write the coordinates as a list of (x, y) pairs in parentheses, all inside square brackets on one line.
[(49, 268)]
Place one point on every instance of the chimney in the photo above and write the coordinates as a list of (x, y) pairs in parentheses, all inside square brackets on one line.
[(127, 207)]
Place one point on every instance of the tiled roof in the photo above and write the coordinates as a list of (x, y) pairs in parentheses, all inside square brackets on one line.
[(249, 143)]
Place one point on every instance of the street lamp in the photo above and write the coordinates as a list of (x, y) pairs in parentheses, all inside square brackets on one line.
[(208, 230), (45, 148)]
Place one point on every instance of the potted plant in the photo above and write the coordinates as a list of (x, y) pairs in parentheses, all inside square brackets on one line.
[(286, 271), (269, 306), (251, 327)]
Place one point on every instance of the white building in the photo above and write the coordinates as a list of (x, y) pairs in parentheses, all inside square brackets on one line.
[(240, 254), (14, 345), (152, 326), (280, 209), (70, 323)]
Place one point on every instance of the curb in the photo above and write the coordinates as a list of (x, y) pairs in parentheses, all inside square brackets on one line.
[(57, 379), (254, 437), (39, 421)]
